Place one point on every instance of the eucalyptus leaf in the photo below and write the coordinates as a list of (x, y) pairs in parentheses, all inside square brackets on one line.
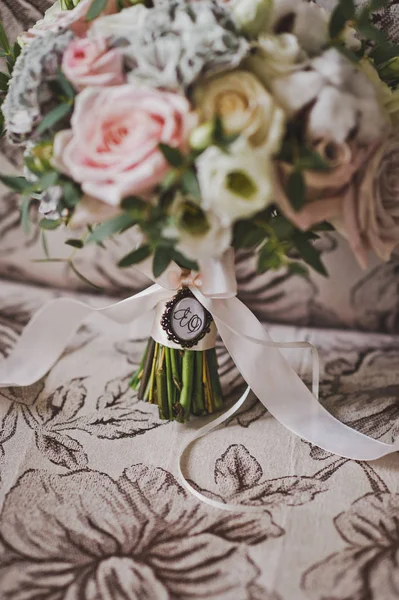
[(135, 257), (184, 262), (75, 243), (191, 185), (296, 190), (309, 253), (162, 259), (53, 117), (109, 228), (50, 224), (18, 184), (25, 205), (173, 155), (96, 8), (4, 43), (48, 180)]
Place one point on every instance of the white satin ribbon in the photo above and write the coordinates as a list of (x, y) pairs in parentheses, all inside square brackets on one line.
[(266, 372)]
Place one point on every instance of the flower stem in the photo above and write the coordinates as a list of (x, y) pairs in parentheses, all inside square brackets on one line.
[(169, 382), (214, 378), (176, 370), (187, 377), (198, 393), (162, 389), (151, 397)]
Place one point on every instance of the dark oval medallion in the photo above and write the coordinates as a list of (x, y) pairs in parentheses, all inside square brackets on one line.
[(185, 320)]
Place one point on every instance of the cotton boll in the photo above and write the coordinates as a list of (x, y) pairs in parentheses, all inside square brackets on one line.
[(297, 90), (311, 27), (334, 115)]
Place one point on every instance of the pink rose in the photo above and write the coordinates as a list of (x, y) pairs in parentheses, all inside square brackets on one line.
[(112, 149), (88, 62), (56, 19)]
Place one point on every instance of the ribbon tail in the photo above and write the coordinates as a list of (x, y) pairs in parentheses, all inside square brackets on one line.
[(280, 389), (48, 333)]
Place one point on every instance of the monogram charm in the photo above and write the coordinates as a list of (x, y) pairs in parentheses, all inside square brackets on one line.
[(185, 320)]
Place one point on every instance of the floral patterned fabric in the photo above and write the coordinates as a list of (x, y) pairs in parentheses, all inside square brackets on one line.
[(91, 504)]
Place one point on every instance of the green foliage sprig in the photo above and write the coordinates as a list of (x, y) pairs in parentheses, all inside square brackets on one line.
[(10, 53)]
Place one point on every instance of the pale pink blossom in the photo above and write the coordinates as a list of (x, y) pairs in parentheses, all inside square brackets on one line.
[(88, 62), (56, 19), (112, 149)]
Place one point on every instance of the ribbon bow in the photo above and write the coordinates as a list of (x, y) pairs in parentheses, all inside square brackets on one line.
[(257, 357)]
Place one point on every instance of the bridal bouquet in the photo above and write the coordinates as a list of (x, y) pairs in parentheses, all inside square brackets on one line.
[(205, 126)]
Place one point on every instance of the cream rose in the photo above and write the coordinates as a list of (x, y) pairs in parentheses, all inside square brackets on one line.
[(112, 149), (252, 16), (244, 106), (235, 185)]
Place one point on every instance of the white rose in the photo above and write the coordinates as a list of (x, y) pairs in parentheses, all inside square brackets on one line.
[(200, 234), (244, 106), (121, 23), (252, 16), (275, 55), (235, 185)]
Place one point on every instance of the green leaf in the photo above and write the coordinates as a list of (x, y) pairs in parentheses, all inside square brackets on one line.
[(49, 224), (25, 205), (75, 243), (109, 228), (296, 190), (309, 160), (309, 253), (4, 43), (173, 155), (184, 262), (136, 207), (96, 8), (48, 180), (135, 257), (45, 245), (71, 194), (269, 259), (53, 117), (4, 79), (16, 51), (282, 228), (337, 22), (191, 185), (162, 259), (297, 268), (18, 184), (248, 235), (66, 87), (370, 32)]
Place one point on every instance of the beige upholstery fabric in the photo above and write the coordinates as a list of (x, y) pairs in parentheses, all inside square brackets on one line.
[(91, 507)]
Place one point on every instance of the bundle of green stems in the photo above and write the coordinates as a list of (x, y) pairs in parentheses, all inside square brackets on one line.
[(181, 382)]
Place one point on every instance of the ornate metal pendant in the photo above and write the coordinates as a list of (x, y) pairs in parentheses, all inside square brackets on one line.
[(185, 320)]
